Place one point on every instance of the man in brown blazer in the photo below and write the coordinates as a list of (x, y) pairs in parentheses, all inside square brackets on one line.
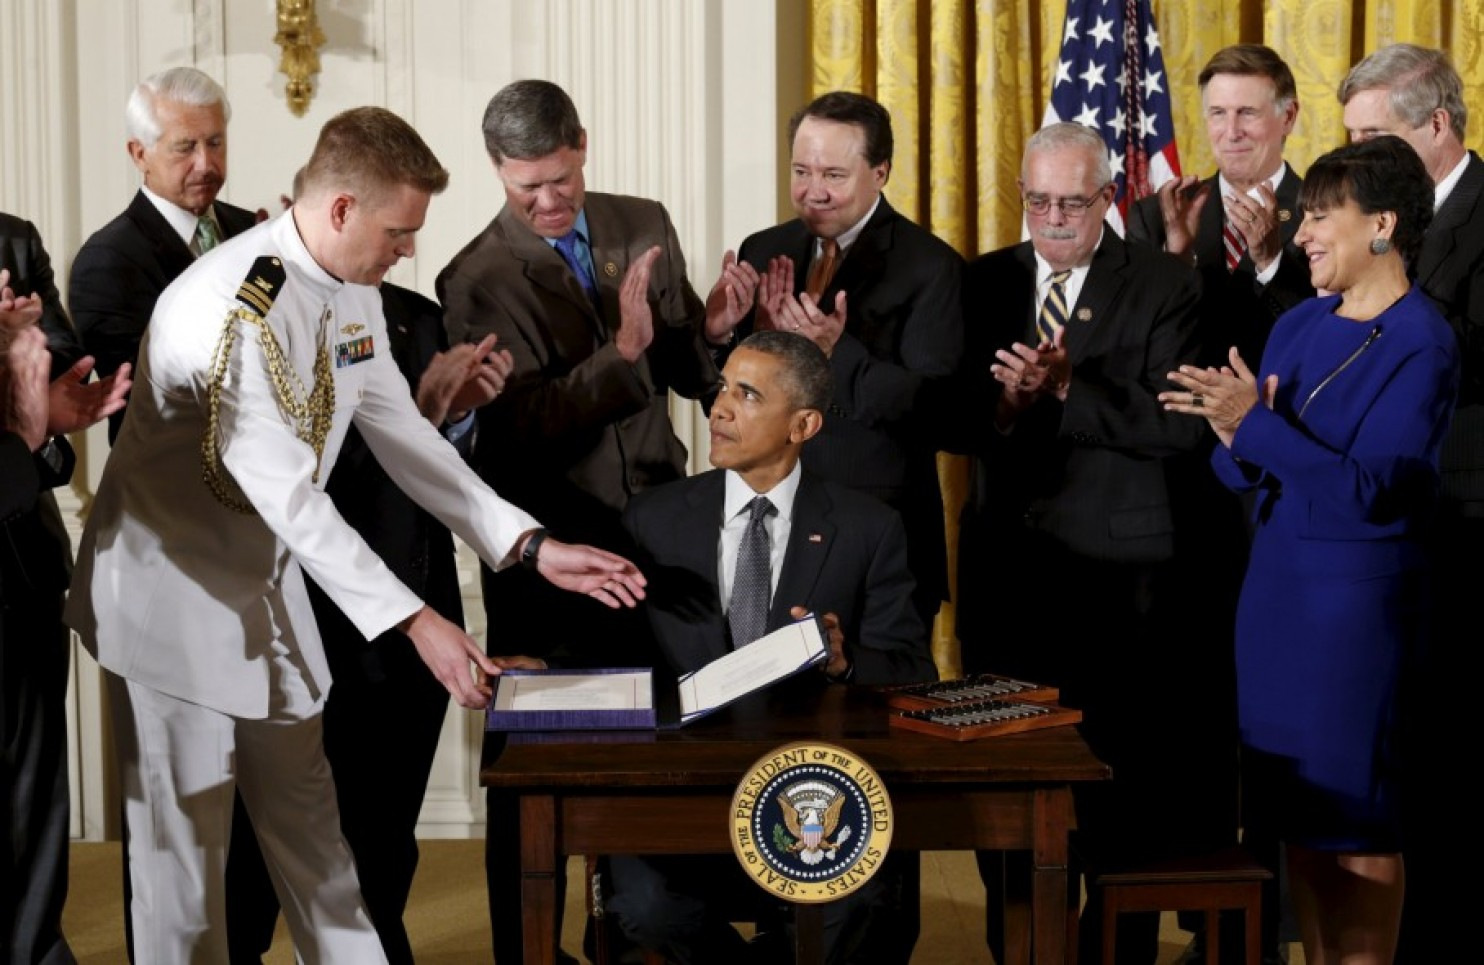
[(588, 292)]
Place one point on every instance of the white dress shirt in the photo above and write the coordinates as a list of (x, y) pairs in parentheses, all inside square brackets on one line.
[(735, 517)]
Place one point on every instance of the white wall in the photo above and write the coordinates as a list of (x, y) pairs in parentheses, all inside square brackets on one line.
[(680, 99)]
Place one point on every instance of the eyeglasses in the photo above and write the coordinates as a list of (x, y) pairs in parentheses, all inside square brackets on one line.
[(1072, 208)]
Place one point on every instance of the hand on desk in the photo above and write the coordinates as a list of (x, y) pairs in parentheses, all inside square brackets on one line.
[(448, 652), (519, 662)]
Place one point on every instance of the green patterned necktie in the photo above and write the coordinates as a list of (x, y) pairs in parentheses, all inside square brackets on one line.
[(206, 236)]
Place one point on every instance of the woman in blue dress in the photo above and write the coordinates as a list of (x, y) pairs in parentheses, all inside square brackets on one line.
[(1339, 434)]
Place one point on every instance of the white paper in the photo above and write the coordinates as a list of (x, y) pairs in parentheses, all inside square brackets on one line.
[(767, 659), (612, 691)]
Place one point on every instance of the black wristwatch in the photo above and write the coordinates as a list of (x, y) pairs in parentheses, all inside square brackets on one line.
[(532, 547)]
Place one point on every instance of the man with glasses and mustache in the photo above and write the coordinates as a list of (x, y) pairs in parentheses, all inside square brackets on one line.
[(1068, 568)]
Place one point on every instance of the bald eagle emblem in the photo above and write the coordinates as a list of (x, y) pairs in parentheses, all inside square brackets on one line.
[(811, 812)]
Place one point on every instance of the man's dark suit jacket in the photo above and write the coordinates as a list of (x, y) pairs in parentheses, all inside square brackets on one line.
[(1235, 308), (1450, 268), (847, 555), (904, 322), (578, 430), (30, 267), (119, 273), (1090, 473), (19, 480), (35, 563)]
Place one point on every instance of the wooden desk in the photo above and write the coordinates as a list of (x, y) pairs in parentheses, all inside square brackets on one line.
[(670, 793)]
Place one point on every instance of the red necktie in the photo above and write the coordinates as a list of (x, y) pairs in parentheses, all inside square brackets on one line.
[(1235, 245)]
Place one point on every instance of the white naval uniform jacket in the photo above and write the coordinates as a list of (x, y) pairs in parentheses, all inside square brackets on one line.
[(177, 592)]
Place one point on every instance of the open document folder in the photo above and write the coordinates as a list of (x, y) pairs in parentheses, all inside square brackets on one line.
[(624, 697)]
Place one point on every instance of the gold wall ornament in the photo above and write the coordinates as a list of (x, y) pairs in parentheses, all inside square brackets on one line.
[(300, 37)]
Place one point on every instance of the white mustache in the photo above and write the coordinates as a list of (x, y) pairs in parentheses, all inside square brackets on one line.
[(1052, 233)]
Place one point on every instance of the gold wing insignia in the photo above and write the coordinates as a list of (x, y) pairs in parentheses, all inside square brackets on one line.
[(832, 814), (790, 817)]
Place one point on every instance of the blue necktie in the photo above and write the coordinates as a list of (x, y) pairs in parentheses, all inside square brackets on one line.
[(566, 246)]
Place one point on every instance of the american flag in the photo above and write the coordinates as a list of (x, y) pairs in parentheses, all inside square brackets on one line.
[(1110, 76)]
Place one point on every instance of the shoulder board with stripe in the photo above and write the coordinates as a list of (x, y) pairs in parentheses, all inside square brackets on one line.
[(261, 285)]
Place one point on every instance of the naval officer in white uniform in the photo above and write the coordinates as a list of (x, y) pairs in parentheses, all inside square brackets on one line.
[(189, 586)]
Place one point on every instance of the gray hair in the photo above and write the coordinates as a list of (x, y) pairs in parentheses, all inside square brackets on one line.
[(805, 372), (184, 85), (530, 119), (1419, 81), (1065, 135)]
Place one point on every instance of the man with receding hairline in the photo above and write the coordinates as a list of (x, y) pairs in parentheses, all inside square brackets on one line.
[(1069, 566), (189, 588)]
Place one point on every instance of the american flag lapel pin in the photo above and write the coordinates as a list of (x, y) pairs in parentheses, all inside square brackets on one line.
[(816, 537)]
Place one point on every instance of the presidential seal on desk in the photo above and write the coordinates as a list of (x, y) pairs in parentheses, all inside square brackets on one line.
[(811, 822)]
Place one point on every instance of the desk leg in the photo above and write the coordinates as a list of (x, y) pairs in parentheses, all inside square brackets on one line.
[(538, 858), (1053, 820), (809, 934)]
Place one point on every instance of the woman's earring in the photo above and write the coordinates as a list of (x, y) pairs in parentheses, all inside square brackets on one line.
[(1380, 246)]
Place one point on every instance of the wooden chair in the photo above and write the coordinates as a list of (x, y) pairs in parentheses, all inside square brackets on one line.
[(1210, 883)]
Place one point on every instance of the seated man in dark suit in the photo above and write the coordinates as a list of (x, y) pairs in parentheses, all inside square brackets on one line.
[(725, 568)]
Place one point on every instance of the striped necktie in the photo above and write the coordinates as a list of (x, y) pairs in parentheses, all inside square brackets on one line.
[(1234, 243), (1054, 308)]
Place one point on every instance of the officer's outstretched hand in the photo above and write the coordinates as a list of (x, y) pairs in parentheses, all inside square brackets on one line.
[(604, 576)]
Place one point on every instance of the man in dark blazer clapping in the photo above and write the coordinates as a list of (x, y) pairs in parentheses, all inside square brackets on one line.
[(1237, 225), (831, 551), (177, 124), (1070, 562), (880, 296)]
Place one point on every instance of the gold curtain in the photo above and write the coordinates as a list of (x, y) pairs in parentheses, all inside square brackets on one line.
[(966, 83)]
